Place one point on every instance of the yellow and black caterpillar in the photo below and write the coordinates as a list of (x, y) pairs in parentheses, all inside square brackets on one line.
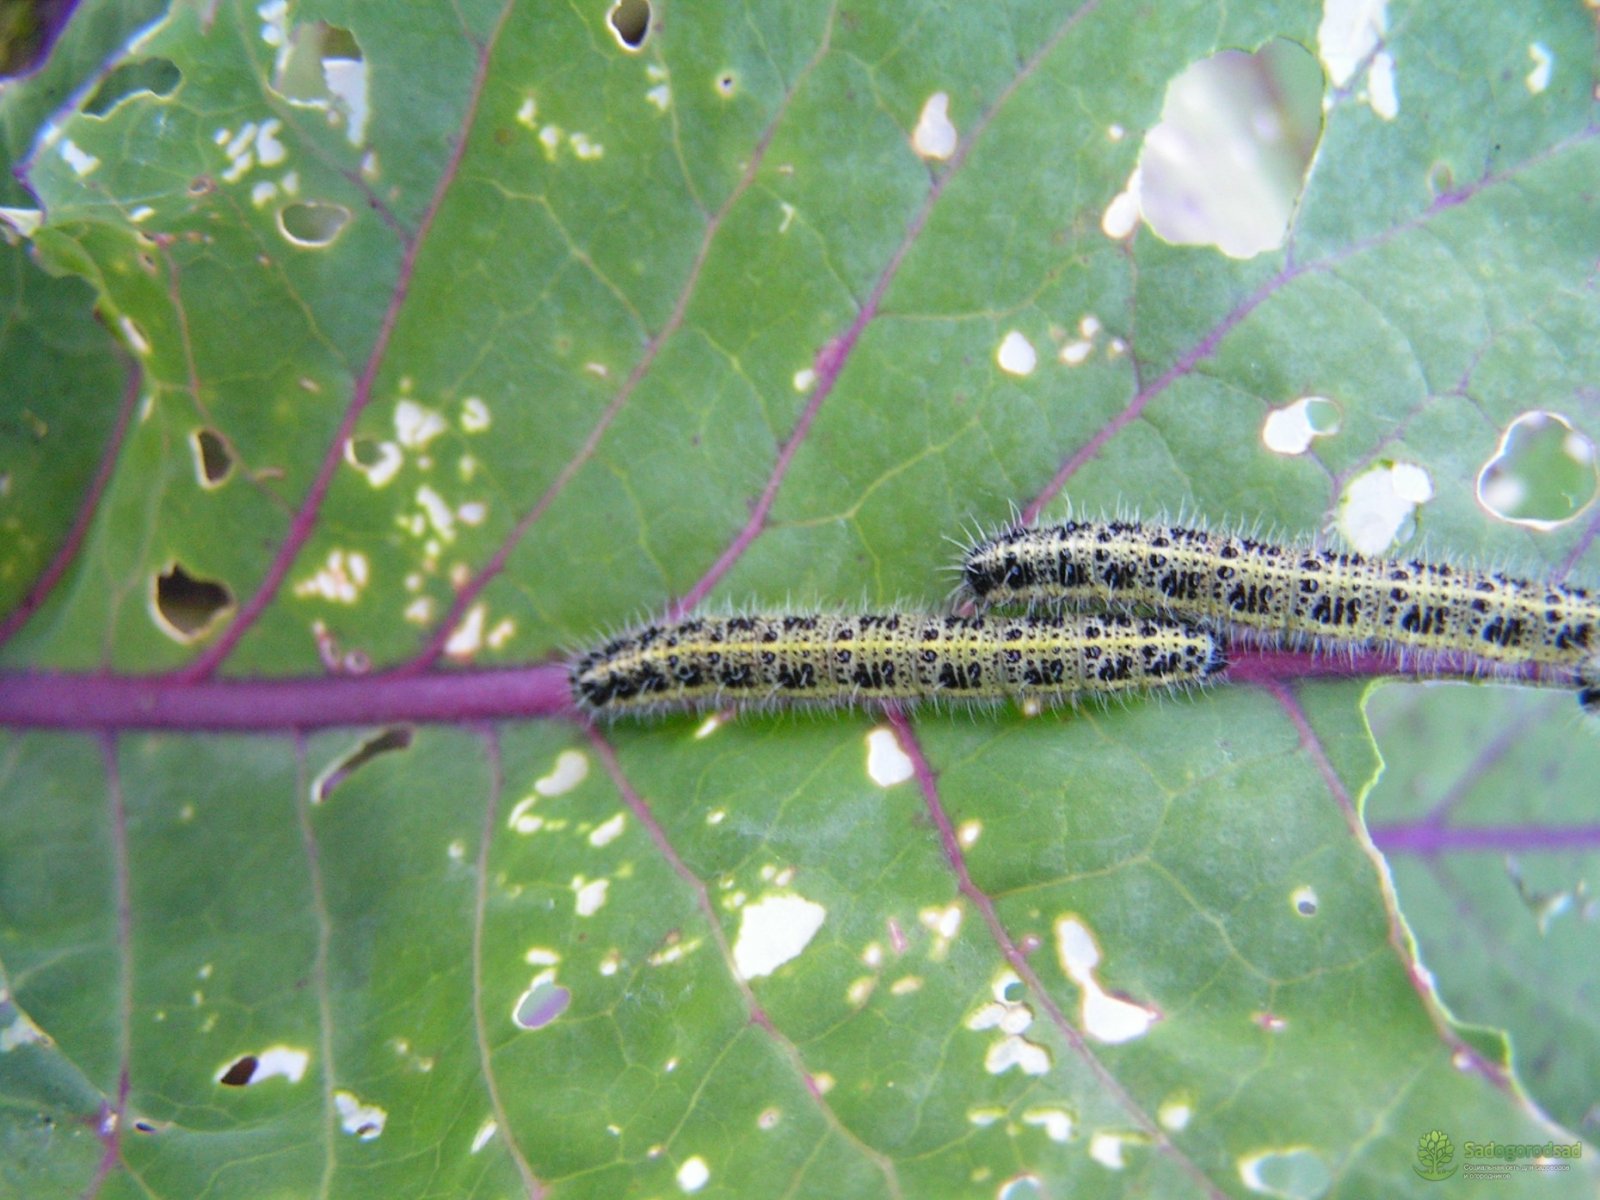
[(1293, 594), (824, 660)]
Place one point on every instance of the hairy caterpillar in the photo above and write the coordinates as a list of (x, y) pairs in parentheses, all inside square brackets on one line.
[(1298, 593), (831, 660)]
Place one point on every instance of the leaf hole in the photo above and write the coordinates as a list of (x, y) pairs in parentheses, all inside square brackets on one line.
[(396, 738), (323, 67), (630, 22), (159, 77), (1226, 164), (187, 606), (541, 1004), (301, 77), (1293, 1173), (312, 223), (1292, 428), (1542, 473), (213, 459), (727, 84), (241, 1072)]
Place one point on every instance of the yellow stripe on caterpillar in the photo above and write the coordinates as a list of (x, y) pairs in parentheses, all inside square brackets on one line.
[(831, 660), (1292, 593)]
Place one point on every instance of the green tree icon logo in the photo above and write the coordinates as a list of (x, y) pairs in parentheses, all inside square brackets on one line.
[(1434, 1156)]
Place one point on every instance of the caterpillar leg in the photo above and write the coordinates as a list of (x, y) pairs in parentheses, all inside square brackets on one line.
[(1589, 685)]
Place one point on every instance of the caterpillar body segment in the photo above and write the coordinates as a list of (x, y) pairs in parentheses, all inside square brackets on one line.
[(828, 660), (1293, 594)]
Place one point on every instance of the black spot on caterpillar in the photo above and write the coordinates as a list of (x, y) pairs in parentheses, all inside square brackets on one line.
[(833, 660), (1292, 593)]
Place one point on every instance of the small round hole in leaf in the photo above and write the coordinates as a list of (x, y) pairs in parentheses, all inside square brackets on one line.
[(212, 457), (630, 21), (541, 1004), (312, 222), (186, 606)]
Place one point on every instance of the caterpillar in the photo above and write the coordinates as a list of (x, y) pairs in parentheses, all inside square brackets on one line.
[(1294, 593), (830, 660)]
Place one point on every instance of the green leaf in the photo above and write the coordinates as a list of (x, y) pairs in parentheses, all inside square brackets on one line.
[(467, 332)]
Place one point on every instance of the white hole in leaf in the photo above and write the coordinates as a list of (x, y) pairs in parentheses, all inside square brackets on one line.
[(1292, 428), (81, 162), (590, 895), (1174, 1113), (378, 461), (571, 768), (942, 922), (935, 136), (269, 150), (1292, 1173), (773, 930), (1225, 165), (275, 1062), (415, 425), (1106, 1149), (485, 1132), (1105, 1017), (693, 1174), (1016, 354), (586, 149), (887, 763), (347, 83), (1379, 505), (1014, 1051), (1075, 353), (1350, 32), (340, 579), (365, 1121), (608, 832), (1543, 64), (1121, 217), (474, 415), (1056, 1122)]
